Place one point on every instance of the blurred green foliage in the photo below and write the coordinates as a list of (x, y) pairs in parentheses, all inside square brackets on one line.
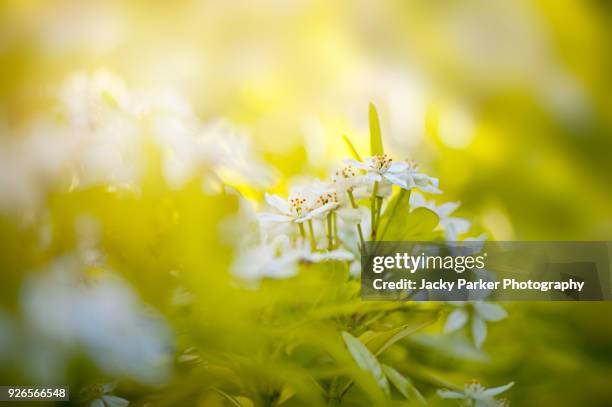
[(508, 103)]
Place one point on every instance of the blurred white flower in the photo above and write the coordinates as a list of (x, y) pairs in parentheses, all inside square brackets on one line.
[(106, 399), (276, 259), (109, 400), (232, 154), (481, 313), (103, 139), (103, 124), (336, 254), (280, 258), (88, 99), (452, 226), (474, 394), (99, 394), (31, 162), (103, 317), (218, 147)]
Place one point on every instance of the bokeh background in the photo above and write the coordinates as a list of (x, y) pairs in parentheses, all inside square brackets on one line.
[(507, 102)]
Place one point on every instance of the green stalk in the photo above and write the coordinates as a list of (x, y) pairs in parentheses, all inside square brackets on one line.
[(335, 223), (354, 205), (313, 243), (379, 201), (302, 230), (373, 211), (330, 239)]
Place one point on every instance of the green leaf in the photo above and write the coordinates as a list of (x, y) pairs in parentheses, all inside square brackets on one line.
[(458, 347), (366, 360), (231, 399), (403, 384), (352, 148), (420, 222), (378, 342), (398, 223), (286, 394), (399, 206), (437, 378), (376, 146)]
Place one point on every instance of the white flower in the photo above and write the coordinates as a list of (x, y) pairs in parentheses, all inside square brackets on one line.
[(414, 179), (331, 255), (347, 178), (305, 203), (452, 226), (482, 312), (87, 99), (296, 208), (280, 259), (273, 260), (324, 197), (109, 401), (220, 146), (230, 150), (381, 168), (102, 397), (329, 197), (101, 316), (477, 395)]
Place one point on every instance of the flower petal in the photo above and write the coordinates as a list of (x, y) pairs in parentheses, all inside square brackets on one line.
[(447, 208), (114, 401), (339, 254), (349, 215), (323, 210), (449, 394), (358, 164), (277, 203), (384, 189), (479, 331), (456, 320), (425, 183), (494, 391), (489, 311), (417, 200), (396, 180), (397, 167), (273, 217), (372, 177)]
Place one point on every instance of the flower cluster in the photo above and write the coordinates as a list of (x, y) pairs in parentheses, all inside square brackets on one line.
[(330, 220), (100, 133), (325, 220)]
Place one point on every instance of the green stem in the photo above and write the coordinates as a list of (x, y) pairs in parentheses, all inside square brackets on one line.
[(379, 202), (335, 223), (330, 238), (354, 205), (313, 243), (373, 211), (302, 230)]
